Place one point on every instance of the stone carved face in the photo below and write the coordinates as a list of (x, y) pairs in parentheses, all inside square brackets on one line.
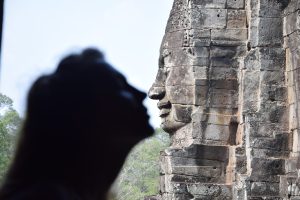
[(173, 98), (174, 86), (196, 68), (181, 81)]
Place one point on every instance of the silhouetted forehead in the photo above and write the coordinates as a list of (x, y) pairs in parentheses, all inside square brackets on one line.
[(110, 72)]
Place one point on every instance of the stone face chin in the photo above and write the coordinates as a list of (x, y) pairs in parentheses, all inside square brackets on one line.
[(169, 125), (229, 70)]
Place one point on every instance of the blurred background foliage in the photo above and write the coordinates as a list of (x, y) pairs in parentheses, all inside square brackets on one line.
[(140, 174), (10, 122)]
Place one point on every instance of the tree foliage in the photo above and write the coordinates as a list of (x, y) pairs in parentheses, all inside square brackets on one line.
[(9, 124), (140, 174)]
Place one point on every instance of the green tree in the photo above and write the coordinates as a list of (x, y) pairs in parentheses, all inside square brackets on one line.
[(9, 124), (140, 174)]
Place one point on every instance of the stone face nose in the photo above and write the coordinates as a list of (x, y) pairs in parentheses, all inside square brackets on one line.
[(156, 93)]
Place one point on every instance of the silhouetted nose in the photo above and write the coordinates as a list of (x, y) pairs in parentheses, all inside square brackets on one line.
[(156, 93)]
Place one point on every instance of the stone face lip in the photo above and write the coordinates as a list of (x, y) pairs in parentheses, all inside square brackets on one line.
[(228, 90)]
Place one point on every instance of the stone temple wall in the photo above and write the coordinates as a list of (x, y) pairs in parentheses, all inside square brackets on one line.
[(228, 91)]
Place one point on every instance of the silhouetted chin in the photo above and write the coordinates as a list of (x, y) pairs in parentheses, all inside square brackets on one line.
[(171, 126)]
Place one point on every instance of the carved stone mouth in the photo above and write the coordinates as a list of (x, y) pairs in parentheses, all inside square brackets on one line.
[(164, 112), (164, 104), (164, 107)]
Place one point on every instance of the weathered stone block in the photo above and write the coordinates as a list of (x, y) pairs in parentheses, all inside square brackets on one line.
[(290, 187), (179, 5), (198, 189), (268, 8), (198, 51), (241, 164), (228, 52), (235, 3), (180, 94), (291, 168), (273, 113), (252, 60), (273, 93), (264, 129), (224, 98), (266, 32), (180, 76), (265, 59), (180, 188), (218, 153), (272, 78), (195, 167), (173, 40), (292, 7), (208, 18), (272, 58), (176, 196), (266, 153), (224, 84), (202, 197), (251, 91), (200, 72), (292, 41), (197, 37), (186, 57), (201, 82), (214, 134), (179, 20), (209, 3), (210, 190), (293, 122), (240, 151), (196, 179), (211, 118), (229, 37), (279, 143), (264, 189), (236, 19), (266, 198), (221, 73), (225, 62), (266, 167), (291, 23), (200, 95)]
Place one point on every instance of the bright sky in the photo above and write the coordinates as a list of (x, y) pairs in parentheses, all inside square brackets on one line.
[(37, 34)]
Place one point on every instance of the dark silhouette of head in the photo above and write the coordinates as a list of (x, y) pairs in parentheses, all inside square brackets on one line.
[(81, 122)]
